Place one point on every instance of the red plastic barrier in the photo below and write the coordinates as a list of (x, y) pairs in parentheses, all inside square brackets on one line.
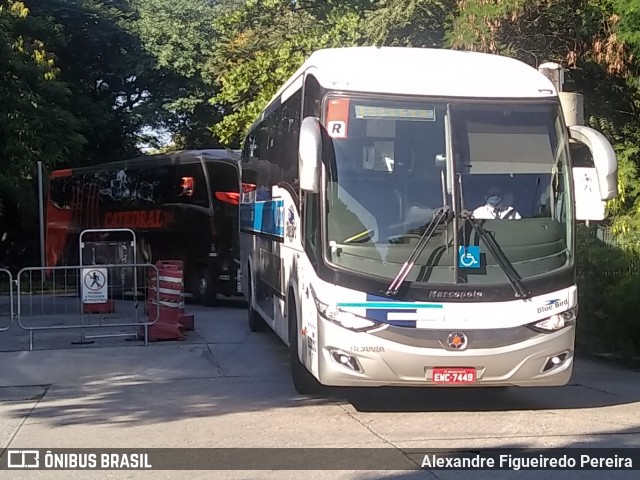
[(108, 307), (172, 321)]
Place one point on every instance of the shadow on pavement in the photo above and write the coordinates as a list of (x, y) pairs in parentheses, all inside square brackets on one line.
[(479, 399), (129, 399), (231, 371)]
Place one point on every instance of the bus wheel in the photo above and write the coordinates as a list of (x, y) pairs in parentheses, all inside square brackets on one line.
[(256, 322), (303, 381), (205, 289)]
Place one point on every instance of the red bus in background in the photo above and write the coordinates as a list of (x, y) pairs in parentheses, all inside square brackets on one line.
[(181, 206)]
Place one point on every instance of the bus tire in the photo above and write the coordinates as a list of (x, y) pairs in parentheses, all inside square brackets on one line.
[(205, 290), (303, 381), (256, 322)]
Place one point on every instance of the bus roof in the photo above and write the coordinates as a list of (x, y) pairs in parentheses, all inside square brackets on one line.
[(183, 156), (421, 71)]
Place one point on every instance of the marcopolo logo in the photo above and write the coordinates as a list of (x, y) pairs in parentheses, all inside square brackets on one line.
[(553, 305), (456, 294)]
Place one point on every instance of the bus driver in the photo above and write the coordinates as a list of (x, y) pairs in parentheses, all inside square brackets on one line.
[(496, 208)]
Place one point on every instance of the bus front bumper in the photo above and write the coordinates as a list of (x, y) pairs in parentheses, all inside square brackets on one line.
[(360, 359)]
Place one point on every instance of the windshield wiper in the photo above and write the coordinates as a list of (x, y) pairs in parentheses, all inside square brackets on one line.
[(440, 214), (494, 248)]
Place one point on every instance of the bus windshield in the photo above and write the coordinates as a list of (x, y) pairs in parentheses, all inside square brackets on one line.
[(395, 163)]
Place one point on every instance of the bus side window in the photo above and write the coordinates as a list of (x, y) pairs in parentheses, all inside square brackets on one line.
[(60, 194), (312, 97), (222, 177), (249, 150), (311, 227), (224, 182)]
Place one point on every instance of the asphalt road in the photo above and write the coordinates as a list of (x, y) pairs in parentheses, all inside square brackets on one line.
[(226, 387)]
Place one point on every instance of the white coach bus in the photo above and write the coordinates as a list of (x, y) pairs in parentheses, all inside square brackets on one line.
[(408, 218)]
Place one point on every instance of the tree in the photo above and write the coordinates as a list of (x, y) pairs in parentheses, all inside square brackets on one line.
[(76, 88), (407, 23), (181, 37), (116, 88), (36, 121), (261, 43)]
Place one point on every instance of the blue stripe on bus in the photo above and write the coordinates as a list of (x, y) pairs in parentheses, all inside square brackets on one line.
[(379, 308), (263, 217), (401, 306), (376, 300)]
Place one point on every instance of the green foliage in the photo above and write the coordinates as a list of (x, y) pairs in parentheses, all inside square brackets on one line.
[(181, 37), (37, 121), (116, 88), (628, 32), (625, 210), (178, 33), (262, 43), (414, 23), (567, 31), (607, 297)]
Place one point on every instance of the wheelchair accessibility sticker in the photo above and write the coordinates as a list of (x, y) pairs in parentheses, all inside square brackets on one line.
[(469, 257)]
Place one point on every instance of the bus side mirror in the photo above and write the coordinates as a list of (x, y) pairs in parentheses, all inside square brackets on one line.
[(310, 154), (593, 185), (603, 156)]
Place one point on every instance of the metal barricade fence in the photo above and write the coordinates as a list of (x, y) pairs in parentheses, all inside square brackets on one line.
[(6, 300), (85, 297)]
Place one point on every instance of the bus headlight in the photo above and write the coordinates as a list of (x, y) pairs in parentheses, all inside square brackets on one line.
[(347, 320), (555, 322)]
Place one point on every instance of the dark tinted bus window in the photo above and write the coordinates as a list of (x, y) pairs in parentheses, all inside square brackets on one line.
[(156, 182), (135, 187), (312, 97), (60, 192), (222, 177)]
